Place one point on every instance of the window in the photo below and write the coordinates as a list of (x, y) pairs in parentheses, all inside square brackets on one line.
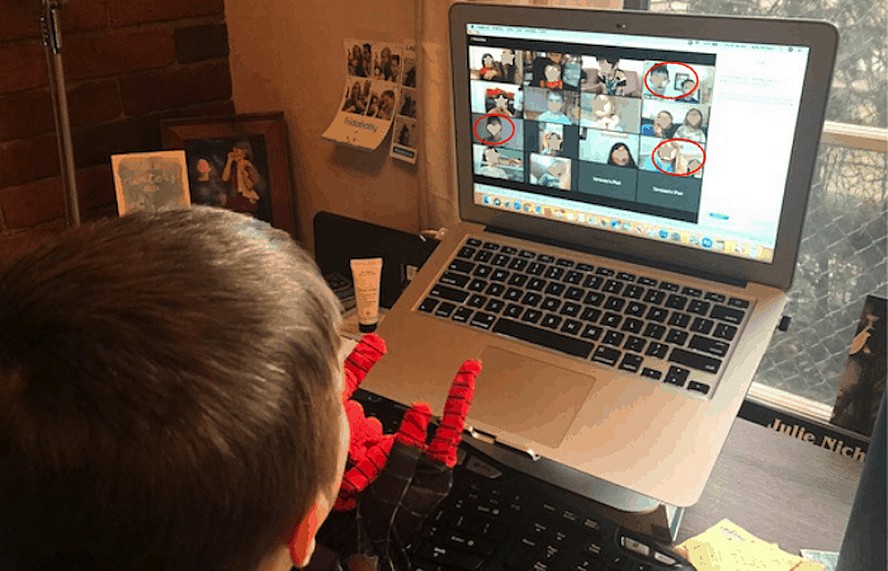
[(845, 242)]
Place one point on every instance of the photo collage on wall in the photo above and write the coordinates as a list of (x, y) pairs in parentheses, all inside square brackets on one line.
[(616, 126)]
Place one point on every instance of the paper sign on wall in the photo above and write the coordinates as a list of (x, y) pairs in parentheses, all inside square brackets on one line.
[(371, 94)]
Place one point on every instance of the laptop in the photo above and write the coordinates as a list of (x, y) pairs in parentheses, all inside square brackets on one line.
[(631, 191)]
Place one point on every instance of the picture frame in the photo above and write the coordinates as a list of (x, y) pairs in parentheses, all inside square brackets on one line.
[(238, 162), (150, 181), (680, 79)]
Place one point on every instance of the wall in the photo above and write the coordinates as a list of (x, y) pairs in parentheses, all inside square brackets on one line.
[(289, 56), (128, 63)]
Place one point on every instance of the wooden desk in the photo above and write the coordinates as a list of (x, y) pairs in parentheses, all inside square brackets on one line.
[(778, 488)]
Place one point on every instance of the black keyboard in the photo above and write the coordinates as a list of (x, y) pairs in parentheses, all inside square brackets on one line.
[(496, 518), (658, 330)]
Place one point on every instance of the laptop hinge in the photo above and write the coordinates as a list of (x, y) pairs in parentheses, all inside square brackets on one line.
[(619, 256)]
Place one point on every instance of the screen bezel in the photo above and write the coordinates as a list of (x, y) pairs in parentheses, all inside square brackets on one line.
[(820, 37)]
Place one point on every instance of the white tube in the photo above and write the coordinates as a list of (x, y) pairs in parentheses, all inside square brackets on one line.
[(366, 275)]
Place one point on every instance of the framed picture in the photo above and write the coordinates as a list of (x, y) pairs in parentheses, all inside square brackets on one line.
[(150, 181), (237, 162), (679, 80)]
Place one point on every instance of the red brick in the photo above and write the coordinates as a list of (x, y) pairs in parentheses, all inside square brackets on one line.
[(23, 65), (25, 114), (17, 243), (20, 19), (214, 108), (112, 53), (30, 204), (175, 88), (128, 12), (95, 188), (94, 102), (199, 43), (94, 144), (28, 160)]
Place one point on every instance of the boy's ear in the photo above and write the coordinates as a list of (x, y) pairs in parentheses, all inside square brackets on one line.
[(302, 544)]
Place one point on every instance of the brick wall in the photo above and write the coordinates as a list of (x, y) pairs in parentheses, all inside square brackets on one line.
[(128, 64)]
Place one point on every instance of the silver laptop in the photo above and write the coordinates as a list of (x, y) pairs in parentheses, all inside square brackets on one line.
[(632, 188)]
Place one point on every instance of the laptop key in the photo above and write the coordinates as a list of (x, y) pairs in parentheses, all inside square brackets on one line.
[(657, 314), (473, 242), (593, 298), (626, 277), (701, 325), (633, 291), (551, 321), (536, 269), (592, 332), (632, 325), (448, 293), (635, 309), (614, 338), (650, 282), (691, 291), (499, 275), (675, 301), (551, 304), (495, 289), (728, 314), (631, 362), (483, 256), (678, 319), (554, 272), (613, 286), (677, 337), (585, 267), (509, 250), (657, 350), (571, 327), (466, 252), (699, 387), (699, 307), (669, 286), (428, 304), (482, 320), (615, 303), (654, 296), (527, 254), (518, 264), (564, 263), (695, 360), (593, 282), (532, 315), (606, 272), (482, 271), (677, 376), (709, 345), (611, 319), (635, 344), (606, 355), (477, 285), (462, 315), (739, 303), (570, 309), (494, 306), (573, 277), (531, 299), (513, 310), (651, 373), (724, 331), (445, 309), (450, 557), (654, 331), (536, 284), (501, 260), (546, 259), (574, 293), (550, 339), (476, 300), (518, 280), (555, 288), (454, 279), (716, 297), (462, 266), (590, 315)]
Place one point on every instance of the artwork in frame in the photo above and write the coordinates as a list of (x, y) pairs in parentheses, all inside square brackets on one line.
[(150, 181), (237, 162)]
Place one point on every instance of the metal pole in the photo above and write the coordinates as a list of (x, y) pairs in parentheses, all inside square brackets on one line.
[(50, 26)]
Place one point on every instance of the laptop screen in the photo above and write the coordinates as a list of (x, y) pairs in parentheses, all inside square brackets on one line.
[(668, 139)]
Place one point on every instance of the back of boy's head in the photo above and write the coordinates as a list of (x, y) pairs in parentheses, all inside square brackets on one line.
[(168, 394)]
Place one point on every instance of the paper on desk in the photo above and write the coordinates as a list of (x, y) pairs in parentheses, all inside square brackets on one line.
[(728, 547), (370, 96)]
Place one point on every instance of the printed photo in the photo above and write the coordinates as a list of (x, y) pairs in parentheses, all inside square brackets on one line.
[(383, 97), (863, 379), (409, 79), (551, 172), (405, 133), (610, 113), (357, 97), (552, 106), (386, 63), (408, 103), (359, 59), (150, 181), (494, 162), (489, 63)]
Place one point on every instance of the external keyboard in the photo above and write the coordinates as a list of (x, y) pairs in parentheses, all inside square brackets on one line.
[(656, 329), (498, 519)]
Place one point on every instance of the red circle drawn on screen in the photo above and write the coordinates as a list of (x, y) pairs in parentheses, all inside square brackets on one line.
[(696, 80), (690, 173), (481, 139)]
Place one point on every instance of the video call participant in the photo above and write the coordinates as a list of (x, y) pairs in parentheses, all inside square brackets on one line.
[(692, 128), (539, 65), (488, 69), (551, 140), (506, 67), (692, 166), (493, 163), (499, 101), (666, 156), (621, 156), (555, 112), (604, 114), (494, 128), (553, 176), (686, 87), (611, 80), (658, 80), (661, 127)]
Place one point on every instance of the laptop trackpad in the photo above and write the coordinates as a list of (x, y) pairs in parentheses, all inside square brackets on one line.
[(528, 398)]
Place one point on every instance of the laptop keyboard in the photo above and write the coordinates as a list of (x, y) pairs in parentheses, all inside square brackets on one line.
[(499, 519), (658, 330)]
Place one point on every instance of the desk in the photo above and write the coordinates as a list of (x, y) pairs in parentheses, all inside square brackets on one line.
[(778, 488)]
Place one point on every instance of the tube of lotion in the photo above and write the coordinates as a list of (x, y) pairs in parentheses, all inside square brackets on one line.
[(366, 275)]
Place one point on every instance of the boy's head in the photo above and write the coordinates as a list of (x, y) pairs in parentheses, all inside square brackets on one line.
[(169, 396)]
